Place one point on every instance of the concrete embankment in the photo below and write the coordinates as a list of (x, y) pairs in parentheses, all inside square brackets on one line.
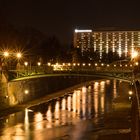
[(26, 89)]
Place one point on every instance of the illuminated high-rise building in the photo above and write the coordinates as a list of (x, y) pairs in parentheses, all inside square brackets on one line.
[(82, 39), (120, 42)]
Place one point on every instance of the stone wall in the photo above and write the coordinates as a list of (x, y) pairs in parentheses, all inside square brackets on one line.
[(21, 91)]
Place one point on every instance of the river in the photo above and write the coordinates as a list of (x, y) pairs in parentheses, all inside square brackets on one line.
[(100, 110)]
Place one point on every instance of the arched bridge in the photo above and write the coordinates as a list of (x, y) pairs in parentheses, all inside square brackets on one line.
[(123, 71)]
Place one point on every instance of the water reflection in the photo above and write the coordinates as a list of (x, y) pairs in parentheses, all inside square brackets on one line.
[(49, 117), (87, 102)]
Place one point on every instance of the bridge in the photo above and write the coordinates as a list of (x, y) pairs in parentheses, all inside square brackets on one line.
[(121, 69)]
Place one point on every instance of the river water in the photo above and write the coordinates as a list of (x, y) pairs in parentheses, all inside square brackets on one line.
[(87, 112)]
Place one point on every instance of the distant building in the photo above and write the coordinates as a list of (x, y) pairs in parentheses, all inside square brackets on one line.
[(121, 42)]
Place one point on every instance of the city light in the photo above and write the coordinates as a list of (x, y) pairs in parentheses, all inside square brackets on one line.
[(96, 64), (136, 63), (6, 54), (49, 64), (26, 63), (26, 91), (134, 54), (130, 92), (39, 63), (89, 64), (102, 64), (83, 64), (80, 31), (19, 55), (74, 64)]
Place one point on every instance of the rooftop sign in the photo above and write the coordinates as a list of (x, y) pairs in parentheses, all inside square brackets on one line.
[(80, 31)]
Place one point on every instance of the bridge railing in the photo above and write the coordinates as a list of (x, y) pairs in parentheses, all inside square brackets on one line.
[(22, 70)]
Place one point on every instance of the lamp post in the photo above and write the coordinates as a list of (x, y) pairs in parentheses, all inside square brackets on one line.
[(26, 68), (18, 56), (38, 64), (4, 63)]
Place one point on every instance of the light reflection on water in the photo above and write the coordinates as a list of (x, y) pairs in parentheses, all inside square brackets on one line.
[(87, 102)]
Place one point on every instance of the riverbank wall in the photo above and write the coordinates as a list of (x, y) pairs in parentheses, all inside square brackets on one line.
[(22, 90)]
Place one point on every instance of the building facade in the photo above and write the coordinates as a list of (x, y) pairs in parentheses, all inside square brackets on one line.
[(120, 42)]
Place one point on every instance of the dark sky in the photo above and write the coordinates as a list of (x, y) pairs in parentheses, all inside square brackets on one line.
[(61, 17)]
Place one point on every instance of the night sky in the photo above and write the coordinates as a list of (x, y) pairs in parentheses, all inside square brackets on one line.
[(61, 17)]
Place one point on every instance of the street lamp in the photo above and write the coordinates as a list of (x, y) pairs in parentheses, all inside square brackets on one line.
[(26, 69), (134, 54), (18, 55), (6, 54), (89, 64), (136, 63), (39, 63), (83, 64), (96, 64), (49, 64), (26, 64)]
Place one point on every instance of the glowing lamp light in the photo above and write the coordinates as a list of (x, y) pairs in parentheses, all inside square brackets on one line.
[(6, 54), (96, 64), (26, 63), (83, 64), (26, 91), (49, 64), (134, 54), (96, 83), (89, 64), (130, 92), (38, 63), (19, 55), (136, 63), (102, 82), (102, 64), (74, 64)]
